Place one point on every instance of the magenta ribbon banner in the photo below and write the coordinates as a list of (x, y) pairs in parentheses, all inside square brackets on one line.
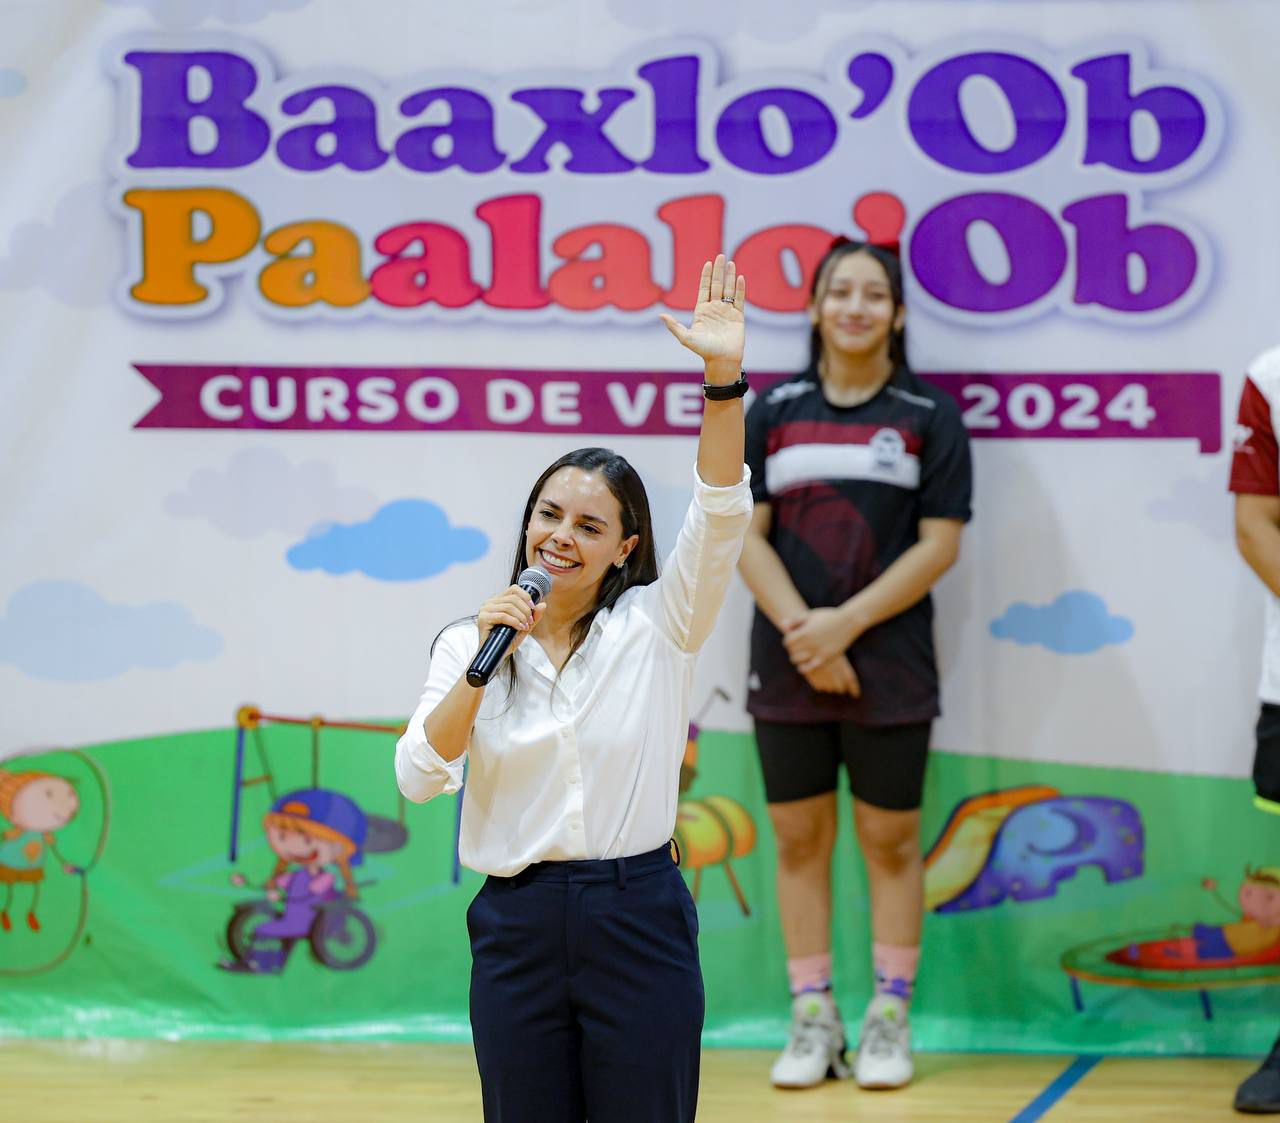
[(1110, 406)]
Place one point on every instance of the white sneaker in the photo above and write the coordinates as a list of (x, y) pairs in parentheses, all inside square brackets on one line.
[(816, 1048), (884, 1050)]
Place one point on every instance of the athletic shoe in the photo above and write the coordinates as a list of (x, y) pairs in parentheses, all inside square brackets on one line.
[(1260, 1093), (884, 1049), (816, 1049)]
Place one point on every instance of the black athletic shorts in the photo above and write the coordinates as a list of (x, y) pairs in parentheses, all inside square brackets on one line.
[(885, 763), (1266, 759)]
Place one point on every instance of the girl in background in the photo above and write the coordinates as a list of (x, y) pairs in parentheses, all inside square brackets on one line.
[(861, 478)]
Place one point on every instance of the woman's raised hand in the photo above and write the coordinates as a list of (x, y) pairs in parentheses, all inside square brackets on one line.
[(513, 607), (718, 331)]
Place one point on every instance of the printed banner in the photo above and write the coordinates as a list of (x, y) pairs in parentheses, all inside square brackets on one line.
[(652, 403), (297, 302)]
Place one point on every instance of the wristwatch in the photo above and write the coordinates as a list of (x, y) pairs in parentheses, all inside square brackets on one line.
[(726, 392)]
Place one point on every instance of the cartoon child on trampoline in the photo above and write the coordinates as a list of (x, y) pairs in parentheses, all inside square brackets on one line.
[(1253, 940), (312, 831), (36, 804)]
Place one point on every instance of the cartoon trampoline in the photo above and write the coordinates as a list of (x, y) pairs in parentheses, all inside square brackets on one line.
[(1125, 961)]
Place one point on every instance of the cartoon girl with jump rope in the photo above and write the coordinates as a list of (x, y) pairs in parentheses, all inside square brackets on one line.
[(37, 804), (311, 831)]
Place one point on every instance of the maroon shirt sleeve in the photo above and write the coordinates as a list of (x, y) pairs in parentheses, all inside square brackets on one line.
[(1255, 468)]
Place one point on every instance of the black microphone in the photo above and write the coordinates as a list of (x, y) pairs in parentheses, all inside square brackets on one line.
[(535, 581)]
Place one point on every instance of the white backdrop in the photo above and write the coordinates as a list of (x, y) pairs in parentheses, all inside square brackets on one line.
[(145, 580)]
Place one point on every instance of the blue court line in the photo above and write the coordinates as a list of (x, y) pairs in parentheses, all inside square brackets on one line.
[(1076, 1071)]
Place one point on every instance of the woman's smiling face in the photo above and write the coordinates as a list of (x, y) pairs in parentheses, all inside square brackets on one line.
[(854, 310), (575, 530)]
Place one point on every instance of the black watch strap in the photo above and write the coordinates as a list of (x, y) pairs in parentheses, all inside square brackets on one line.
[(727, 392)]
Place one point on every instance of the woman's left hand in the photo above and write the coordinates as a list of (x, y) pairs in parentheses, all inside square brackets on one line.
[(817, 637), (835, 677), (718, 331)]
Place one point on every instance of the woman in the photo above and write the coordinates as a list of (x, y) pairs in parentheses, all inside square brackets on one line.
[(586, 993), (861, 478)]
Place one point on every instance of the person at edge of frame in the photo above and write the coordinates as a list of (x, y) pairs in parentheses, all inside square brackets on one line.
[(587, 997), (862, 478), (1255, 480)]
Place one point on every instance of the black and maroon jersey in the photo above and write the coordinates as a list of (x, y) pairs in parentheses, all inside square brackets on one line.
[(848, 487)]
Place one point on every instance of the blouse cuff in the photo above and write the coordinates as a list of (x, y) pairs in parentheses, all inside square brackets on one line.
[(732, 500), (432, 775)]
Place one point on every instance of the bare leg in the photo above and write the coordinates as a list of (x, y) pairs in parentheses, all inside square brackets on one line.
[(890, 842), (805, 830)]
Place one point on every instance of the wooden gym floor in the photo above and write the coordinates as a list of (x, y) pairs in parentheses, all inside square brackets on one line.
[(108, 1081)]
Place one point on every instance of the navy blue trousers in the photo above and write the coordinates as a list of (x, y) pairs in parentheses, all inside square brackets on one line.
[(586, 993)]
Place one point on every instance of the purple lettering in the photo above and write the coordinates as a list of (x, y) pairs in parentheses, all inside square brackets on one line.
[(741, 138), (469, 133), (354, 130), (1110, 107), (582, 132), (937, 120), (942, 263), (165, 110), (1104, 243), (675, 115), (872, 74)]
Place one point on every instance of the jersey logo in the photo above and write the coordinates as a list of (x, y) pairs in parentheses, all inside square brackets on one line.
[(887, 449), (1242, 436)]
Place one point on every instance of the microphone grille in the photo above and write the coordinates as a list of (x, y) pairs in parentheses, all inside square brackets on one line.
[(537, 578)]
